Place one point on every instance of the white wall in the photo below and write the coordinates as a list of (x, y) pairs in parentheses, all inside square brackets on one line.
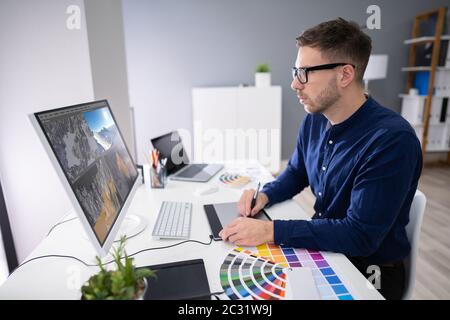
[(43, 65)]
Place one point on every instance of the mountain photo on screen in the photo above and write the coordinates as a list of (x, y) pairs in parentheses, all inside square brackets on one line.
[(89, 147)]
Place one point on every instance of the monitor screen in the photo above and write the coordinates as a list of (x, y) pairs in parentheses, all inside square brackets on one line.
[(94, 159)]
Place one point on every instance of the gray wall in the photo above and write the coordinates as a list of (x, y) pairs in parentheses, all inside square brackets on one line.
[(108, 64), (173, 46)]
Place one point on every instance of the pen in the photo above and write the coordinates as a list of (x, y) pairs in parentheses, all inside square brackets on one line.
[(155, 157), (255, 196)]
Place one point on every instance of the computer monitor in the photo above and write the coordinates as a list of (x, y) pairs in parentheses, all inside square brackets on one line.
[(87, 150)]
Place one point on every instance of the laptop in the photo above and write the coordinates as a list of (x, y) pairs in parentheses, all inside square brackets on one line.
[(178, 166)]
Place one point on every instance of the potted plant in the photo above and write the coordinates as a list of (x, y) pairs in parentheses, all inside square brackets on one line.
[(126, 282), (262, 75)]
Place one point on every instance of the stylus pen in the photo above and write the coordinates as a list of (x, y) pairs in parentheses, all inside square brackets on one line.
[(255, 196)]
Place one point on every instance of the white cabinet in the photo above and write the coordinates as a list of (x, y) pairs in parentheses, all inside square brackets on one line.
[(237, 123)]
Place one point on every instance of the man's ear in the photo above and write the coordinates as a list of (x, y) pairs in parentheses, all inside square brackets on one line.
[(346, 76)]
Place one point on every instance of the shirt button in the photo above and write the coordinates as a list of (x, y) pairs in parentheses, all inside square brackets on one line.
[(330, 142), (320, 193), (324, 168), (320, 214)]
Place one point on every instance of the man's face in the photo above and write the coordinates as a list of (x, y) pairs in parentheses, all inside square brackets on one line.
[(321, 90)]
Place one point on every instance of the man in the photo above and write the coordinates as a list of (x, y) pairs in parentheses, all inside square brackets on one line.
[(361, 160)]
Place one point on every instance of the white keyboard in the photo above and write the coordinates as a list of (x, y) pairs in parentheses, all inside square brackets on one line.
[(174, 220)]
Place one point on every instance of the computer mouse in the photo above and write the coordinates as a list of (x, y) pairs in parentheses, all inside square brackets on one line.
[(206, 190)]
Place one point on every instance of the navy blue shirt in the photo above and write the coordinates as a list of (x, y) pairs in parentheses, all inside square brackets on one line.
[(364, 173)]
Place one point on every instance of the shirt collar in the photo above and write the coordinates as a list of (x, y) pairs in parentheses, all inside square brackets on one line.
[(354, 118)]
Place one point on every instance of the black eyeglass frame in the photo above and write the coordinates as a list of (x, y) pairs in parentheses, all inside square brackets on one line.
[(296, 71)]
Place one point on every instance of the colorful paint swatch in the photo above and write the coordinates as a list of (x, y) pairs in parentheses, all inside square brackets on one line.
[(261, 276), (244, 275), (234, 180), (328, 283)]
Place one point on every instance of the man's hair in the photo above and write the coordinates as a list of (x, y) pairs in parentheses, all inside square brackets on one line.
[(340, 41)]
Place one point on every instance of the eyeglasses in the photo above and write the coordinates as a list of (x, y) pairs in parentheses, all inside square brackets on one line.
[(302, 73)]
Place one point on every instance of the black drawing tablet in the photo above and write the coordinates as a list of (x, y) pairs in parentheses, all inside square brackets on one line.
[(178, 281)]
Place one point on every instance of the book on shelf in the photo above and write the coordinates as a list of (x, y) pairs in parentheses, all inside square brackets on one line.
[(413, 107), (424, 52), (443, 54)]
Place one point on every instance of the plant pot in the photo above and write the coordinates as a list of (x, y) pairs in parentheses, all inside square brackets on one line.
[(142, 289), (262, 79), (140, 294)]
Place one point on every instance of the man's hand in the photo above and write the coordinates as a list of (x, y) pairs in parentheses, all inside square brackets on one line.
[(248, 232), (245, 202)]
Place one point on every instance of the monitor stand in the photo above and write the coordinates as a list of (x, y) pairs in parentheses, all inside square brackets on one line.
[(131, 226)]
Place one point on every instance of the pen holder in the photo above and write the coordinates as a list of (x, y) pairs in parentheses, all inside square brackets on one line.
[(158, 177)]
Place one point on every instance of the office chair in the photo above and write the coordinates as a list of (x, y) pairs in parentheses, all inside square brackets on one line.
[(413, 231)]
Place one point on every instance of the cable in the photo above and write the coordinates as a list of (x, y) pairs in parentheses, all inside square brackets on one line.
[(53, 256), (60, 223), (206, 295), (103, 264), (166, 247), (215, 294)]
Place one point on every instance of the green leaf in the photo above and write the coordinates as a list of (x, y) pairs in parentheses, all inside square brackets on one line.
[(264, 67), (120, 283), (144, 273)]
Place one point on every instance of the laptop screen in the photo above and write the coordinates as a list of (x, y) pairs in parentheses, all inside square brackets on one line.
[(171, 147)]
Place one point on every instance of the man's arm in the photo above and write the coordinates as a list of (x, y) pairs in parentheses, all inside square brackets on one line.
[(293, 179), (379, 191)]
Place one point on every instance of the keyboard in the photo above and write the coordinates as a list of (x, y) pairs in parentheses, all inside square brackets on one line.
[(192, 170), (174, 220)]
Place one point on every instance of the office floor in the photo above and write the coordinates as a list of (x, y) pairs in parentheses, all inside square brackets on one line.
[(433, 265)]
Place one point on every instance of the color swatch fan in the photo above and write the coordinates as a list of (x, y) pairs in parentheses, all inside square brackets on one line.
[(262, 275), (234, 180), (246, 276)]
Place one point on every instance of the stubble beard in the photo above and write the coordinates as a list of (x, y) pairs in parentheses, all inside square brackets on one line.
[(325, 99)]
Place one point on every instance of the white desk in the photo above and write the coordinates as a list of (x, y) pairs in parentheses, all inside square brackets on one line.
[(60, 278)]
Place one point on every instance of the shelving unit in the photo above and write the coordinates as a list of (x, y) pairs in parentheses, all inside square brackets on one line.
[(420, 40), (423, 68), (427, 101)]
